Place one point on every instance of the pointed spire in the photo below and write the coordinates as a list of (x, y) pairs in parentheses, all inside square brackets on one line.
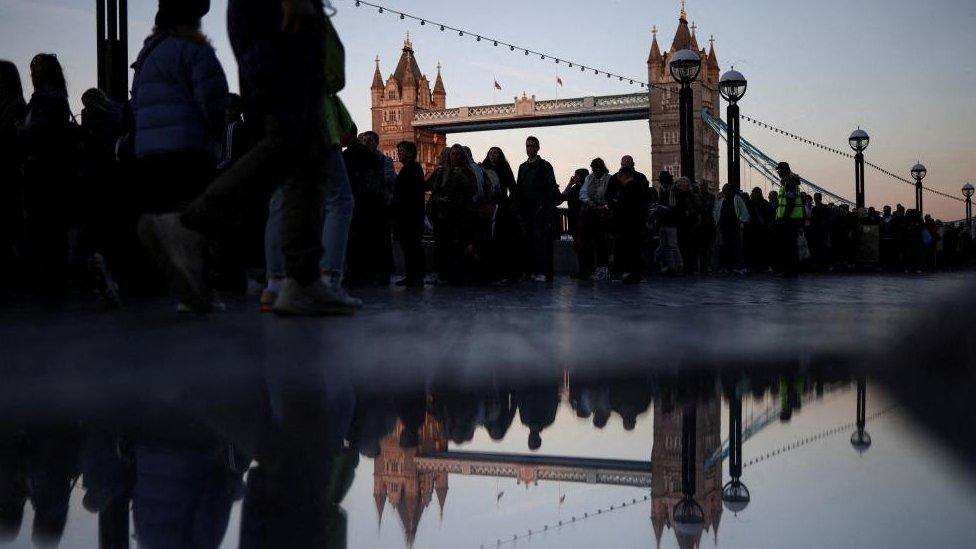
[(439, 83), (682, 37), (694, 38), (712, 61), (377, 77), (407, 44), (683, 16), (380, 500), (655, 55)]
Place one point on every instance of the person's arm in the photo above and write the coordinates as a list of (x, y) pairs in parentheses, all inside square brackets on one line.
[(584, 193), (552, 184)]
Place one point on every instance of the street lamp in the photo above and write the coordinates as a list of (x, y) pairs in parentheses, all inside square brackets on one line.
[(860, 439), (859, 141), (732, 86), (685, 66), (735, 495), (918, 173), (967, 191)]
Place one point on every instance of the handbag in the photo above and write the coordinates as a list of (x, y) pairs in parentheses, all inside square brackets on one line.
[(802, 248)]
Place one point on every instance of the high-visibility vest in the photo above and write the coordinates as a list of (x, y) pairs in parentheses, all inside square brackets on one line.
[(797, 212)]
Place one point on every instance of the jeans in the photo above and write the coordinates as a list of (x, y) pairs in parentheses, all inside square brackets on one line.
[(338, 208), (541, 240)]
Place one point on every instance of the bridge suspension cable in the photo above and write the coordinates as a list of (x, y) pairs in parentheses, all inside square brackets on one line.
[(821, 146), (512, 47)]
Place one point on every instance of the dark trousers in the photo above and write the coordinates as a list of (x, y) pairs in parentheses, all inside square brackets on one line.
[(628, 255), (538, 224), (410, 235), (730, 252), (788, 260), (281, 78), (594, 241), (370, 253)]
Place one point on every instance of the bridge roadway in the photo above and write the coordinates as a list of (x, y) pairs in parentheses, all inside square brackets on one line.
[(529, 468), (526, 112), (527, 333)]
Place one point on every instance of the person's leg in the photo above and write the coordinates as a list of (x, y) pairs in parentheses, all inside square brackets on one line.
[(339, 205)]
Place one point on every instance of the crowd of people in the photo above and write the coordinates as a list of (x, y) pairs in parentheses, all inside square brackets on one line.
[(189, 186)]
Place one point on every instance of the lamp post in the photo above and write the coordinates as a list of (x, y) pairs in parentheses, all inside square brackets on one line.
[(918, 173), (111, 47), (685, 66), (689, 517), (735, 495), (859, 141), (860, 439), (732, 86), (967, 191)]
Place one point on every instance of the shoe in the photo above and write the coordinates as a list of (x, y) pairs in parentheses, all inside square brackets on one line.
[(631, 278), (105, 287), (383, 280), (215, 305), (268, 297), (602, 273), (314, 299), (179, 252), (411, 283), (334, 284), (539, 278)]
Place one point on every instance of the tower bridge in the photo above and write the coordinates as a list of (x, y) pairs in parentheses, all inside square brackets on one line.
[(406, 107)]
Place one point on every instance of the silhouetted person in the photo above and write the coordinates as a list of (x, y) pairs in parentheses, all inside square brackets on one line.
[(408, 214), (536, 193), (537, 410), (13, 109), (628, 195)]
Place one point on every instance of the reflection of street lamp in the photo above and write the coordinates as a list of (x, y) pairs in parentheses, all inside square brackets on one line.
[(859, 141), (860, 439), (918, 174), (732, 86), (685, 66), (689, 517), (967, 191), (735, 495)]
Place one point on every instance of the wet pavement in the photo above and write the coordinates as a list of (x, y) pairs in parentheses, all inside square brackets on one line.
[(818, 412)]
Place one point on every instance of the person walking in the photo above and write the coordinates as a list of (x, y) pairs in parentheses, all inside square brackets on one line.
[(574, 206), (281, 48), (667, 217), (408, 214), (789, 220), (535, 196)]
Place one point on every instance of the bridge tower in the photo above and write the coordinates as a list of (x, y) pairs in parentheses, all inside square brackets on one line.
[(666, 466), (396, 102), (664, 124), (397, 481)]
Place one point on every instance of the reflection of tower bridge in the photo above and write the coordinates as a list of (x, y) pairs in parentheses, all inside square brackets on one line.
[(529, 469)]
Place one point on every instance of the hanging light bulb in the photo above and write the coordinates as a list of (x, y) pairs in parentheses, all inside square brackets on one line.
[(460, 33), (401, 17), (381, 10), (422, 22)]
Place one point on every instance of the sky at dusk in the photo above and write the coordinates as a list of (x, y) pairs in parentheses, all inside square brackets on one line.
[(901, 69)]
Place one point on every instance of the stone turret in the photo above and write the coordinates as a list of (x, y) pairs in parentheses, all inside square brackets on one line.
[(396, 103), (664, 124)]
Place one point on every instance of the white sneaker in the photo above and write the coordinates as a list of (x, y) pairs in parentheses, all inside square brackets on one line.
[(216, 305), (602, 273), (179, 251), (334, 283), (539, 278), (315, 299)]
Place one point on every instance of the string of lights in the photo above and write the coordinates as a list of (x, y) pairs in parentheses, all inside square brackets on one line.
[(496, 42), (821, 146)]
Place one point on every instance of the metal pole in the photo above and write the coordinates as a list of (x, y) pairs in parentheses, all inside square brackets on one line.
[(113, 525), (859, 179), (687, 127), (735, 435), (100, 43), (861, 403), (734, 147), (969, 213)]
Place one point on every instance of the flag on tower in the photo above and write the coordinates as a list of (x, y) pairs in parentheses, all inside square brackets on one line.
[(559, 81), (497, 85)]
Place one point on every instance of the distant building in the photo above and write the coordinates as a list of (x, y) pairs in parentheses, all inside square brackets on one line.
[(397, 481), (396, 102), (665, 138)]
